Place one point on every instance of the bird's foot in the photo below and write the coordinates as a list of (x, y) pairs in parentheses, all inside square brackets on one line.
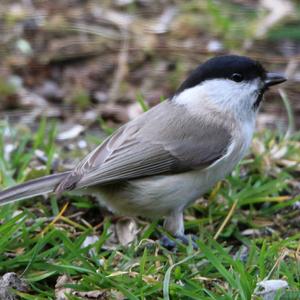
[(170, 244)]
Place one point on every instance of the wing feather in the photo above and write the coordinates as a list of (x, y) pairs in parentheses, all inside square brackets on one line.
[(137, 151)]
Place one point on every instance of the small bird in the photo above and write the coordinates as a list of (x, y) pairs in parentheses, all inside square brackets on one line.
[(162, 161)]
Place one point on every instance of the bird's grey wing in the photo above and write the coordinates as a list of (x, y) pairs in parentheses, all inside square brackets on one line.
[(136, 151)]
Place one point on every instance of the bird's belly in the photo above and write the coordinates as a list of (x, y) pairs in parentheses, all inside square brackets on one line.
[(158, 196), (154, 196)]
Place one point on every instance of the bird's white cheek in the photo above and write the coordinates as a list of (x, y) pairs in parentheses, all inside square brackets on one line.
[(223, 96), (190, 97), (197, 101)]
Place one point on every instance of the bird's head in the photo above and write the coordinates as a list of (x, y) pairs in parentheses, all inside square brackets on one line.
[(228, 82)]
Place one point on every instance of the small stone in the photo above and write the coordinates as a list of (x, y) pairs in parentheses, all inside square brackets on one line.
[(10, 282)]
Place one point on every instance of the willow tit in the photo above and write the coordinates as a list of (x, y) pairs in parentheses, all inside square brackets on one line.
[(162, 161)]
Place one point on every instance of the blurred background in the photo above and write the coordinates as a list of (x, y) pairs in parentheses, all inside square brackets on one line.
[(91, 63)]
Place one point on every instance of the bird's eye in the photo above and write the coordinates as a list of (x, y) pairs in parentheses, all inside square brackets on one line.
[(237, 77)]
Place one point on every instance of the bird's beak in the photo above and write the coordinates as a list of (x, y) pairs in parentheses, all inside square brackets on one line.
[(274, 78)]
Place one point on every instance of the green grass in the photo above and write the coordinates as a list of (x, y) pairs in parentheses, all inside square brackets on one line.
[(41, 241)]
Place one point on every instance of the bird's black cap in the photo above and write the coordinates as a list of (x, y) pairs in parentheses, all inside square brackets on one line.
[(226, 67)]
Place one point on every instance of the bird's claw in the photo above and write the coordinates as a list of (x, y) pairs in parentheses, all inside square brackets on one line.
[(183, 239)]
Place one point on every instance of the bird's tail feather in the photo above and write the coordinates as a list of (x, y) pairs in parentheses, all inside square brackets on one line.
[(31, 188)]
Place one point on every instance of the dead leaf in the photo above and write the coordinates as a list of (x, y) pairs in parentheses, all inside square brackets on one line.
[(126, 230), (277, 10), (60, 290), (163, 23), (71, 133), (99, 295)]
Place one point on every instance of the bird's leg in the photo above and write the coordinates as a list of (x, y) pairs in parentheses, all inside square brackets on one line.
[(175, 225)]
